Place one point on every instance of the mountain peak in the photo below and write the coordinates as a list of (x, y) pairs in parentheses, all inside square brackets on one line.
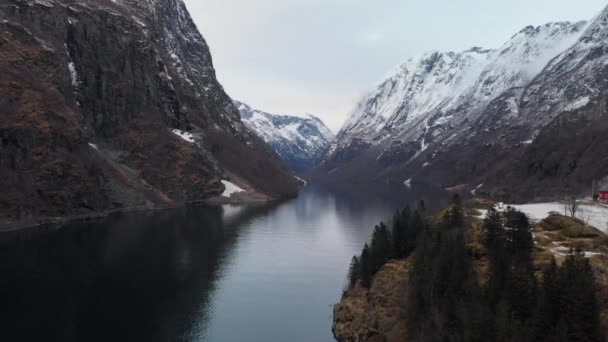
[(597, 31), (299, 140), (552, 29), (434, 91)]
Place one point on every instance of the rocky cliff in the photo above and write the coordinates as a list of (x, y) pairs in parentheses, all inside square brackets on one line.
[(112, 105)]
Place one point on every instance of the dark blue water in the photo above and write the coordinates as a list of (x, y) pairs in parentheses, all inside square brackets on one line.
[(231, 273)]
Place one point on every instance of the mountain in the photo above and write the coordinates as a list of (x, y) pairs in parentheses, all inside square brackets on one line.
[(114, 105), (480, 117), (299, 141)]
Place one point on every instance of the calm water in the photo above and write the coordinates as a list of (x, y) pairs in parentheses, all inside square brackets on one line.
[(231, 273)]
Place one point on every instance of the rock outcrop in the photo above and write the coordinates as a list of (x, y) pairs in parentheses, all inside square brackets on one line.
[(377, 313)]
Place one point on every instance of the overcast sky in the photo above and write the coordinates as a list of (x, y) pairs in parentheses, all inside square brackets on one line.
[(320, 56)]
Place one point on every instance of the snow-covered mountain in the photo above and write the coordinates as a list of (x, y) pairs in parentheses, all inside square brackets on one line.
[(453, 117), (299, 140), (442, 88)]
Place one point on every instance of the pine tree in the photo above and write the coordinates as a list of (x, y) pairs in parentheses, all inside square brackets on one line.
[(419, 311), (398, 236), (494, 233), (578, 304), (353, 272), (403, 238), (417, 224), (495, 241), (548, 312), (443, 290), (381, 249), (454, 215), (521, 282), (519, 233), (365, 267), (421, 206)]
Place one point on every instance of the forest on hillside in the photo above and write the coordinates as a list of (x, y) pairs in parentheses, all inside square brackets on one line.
[(448, 301)]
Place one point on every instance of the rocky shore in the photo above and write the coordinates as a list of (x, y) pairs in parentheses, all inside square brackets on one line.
[(375, 314)]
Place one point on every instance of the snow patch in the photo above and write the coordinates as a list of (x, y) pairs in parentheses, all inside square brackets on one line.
[(73, 73), (137, 20), (594, 215), (93, 146), (578, 103), (474, 191), (187, 136), (231, 188), (72, 70)]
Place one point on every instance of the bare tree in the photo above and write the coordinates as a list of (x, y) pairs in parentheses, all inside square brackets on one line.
[(571, 205)]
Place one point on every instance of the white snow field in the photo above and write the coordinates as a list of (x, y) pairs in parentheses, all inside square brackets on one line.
[(595, 215), (231, 188)]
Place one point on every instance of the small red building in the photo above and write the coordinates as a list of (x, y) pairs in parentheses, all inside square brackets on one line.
[(603, 195)]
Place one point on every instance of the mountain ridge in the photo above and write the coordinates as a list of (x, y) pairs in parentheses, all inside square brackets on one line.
[(299, 140), (450, 107)]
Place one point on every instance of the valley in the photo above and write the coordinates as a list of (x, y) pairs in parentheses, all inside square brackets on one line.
[(162, 178)]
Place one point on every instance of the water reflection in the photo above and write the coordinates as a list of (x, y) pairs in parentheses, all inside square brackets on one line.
[(138, 276), (232, 273)]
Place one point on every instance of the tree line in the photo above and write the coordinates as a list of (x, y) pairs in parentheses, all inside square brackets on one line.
[(560, 304), (394, 243), (447, 302)]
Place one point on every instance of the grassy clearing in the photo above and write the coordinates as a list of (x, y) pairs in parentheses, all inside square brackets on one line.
[(569, 227), (479, 203)]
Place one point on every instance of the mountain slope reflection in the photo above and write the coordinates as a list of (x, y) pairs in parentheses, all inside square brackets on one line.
[(136, 276)]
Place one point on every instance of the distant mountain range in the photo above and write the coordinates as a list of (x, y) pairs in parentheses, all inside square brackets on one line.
[(528, 118), (299, 141)]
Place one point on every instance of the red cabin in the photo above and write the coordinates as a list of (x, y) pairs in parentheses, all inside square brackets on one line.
[(603, 195)]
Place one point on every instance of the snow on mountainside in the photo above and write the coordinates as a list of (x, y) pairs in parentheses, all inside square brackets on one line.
[(573, 79), (299, 141), (438, 89), (436, 97), (421, 85)]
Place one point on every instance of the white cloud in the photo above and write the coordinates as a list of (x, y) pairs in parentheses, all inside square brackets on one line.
[(373, 37)]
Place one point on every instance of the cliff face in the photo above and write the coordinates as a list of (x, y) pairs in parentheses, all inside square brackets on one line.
[(112, 105)]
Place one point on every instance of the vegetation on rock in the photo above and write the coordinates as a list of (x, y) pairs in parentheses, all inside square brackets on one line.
[(461, 287)]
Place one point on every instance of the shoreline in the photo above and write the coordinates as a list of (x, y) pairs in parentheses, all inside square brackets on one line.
[(26, 229)]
